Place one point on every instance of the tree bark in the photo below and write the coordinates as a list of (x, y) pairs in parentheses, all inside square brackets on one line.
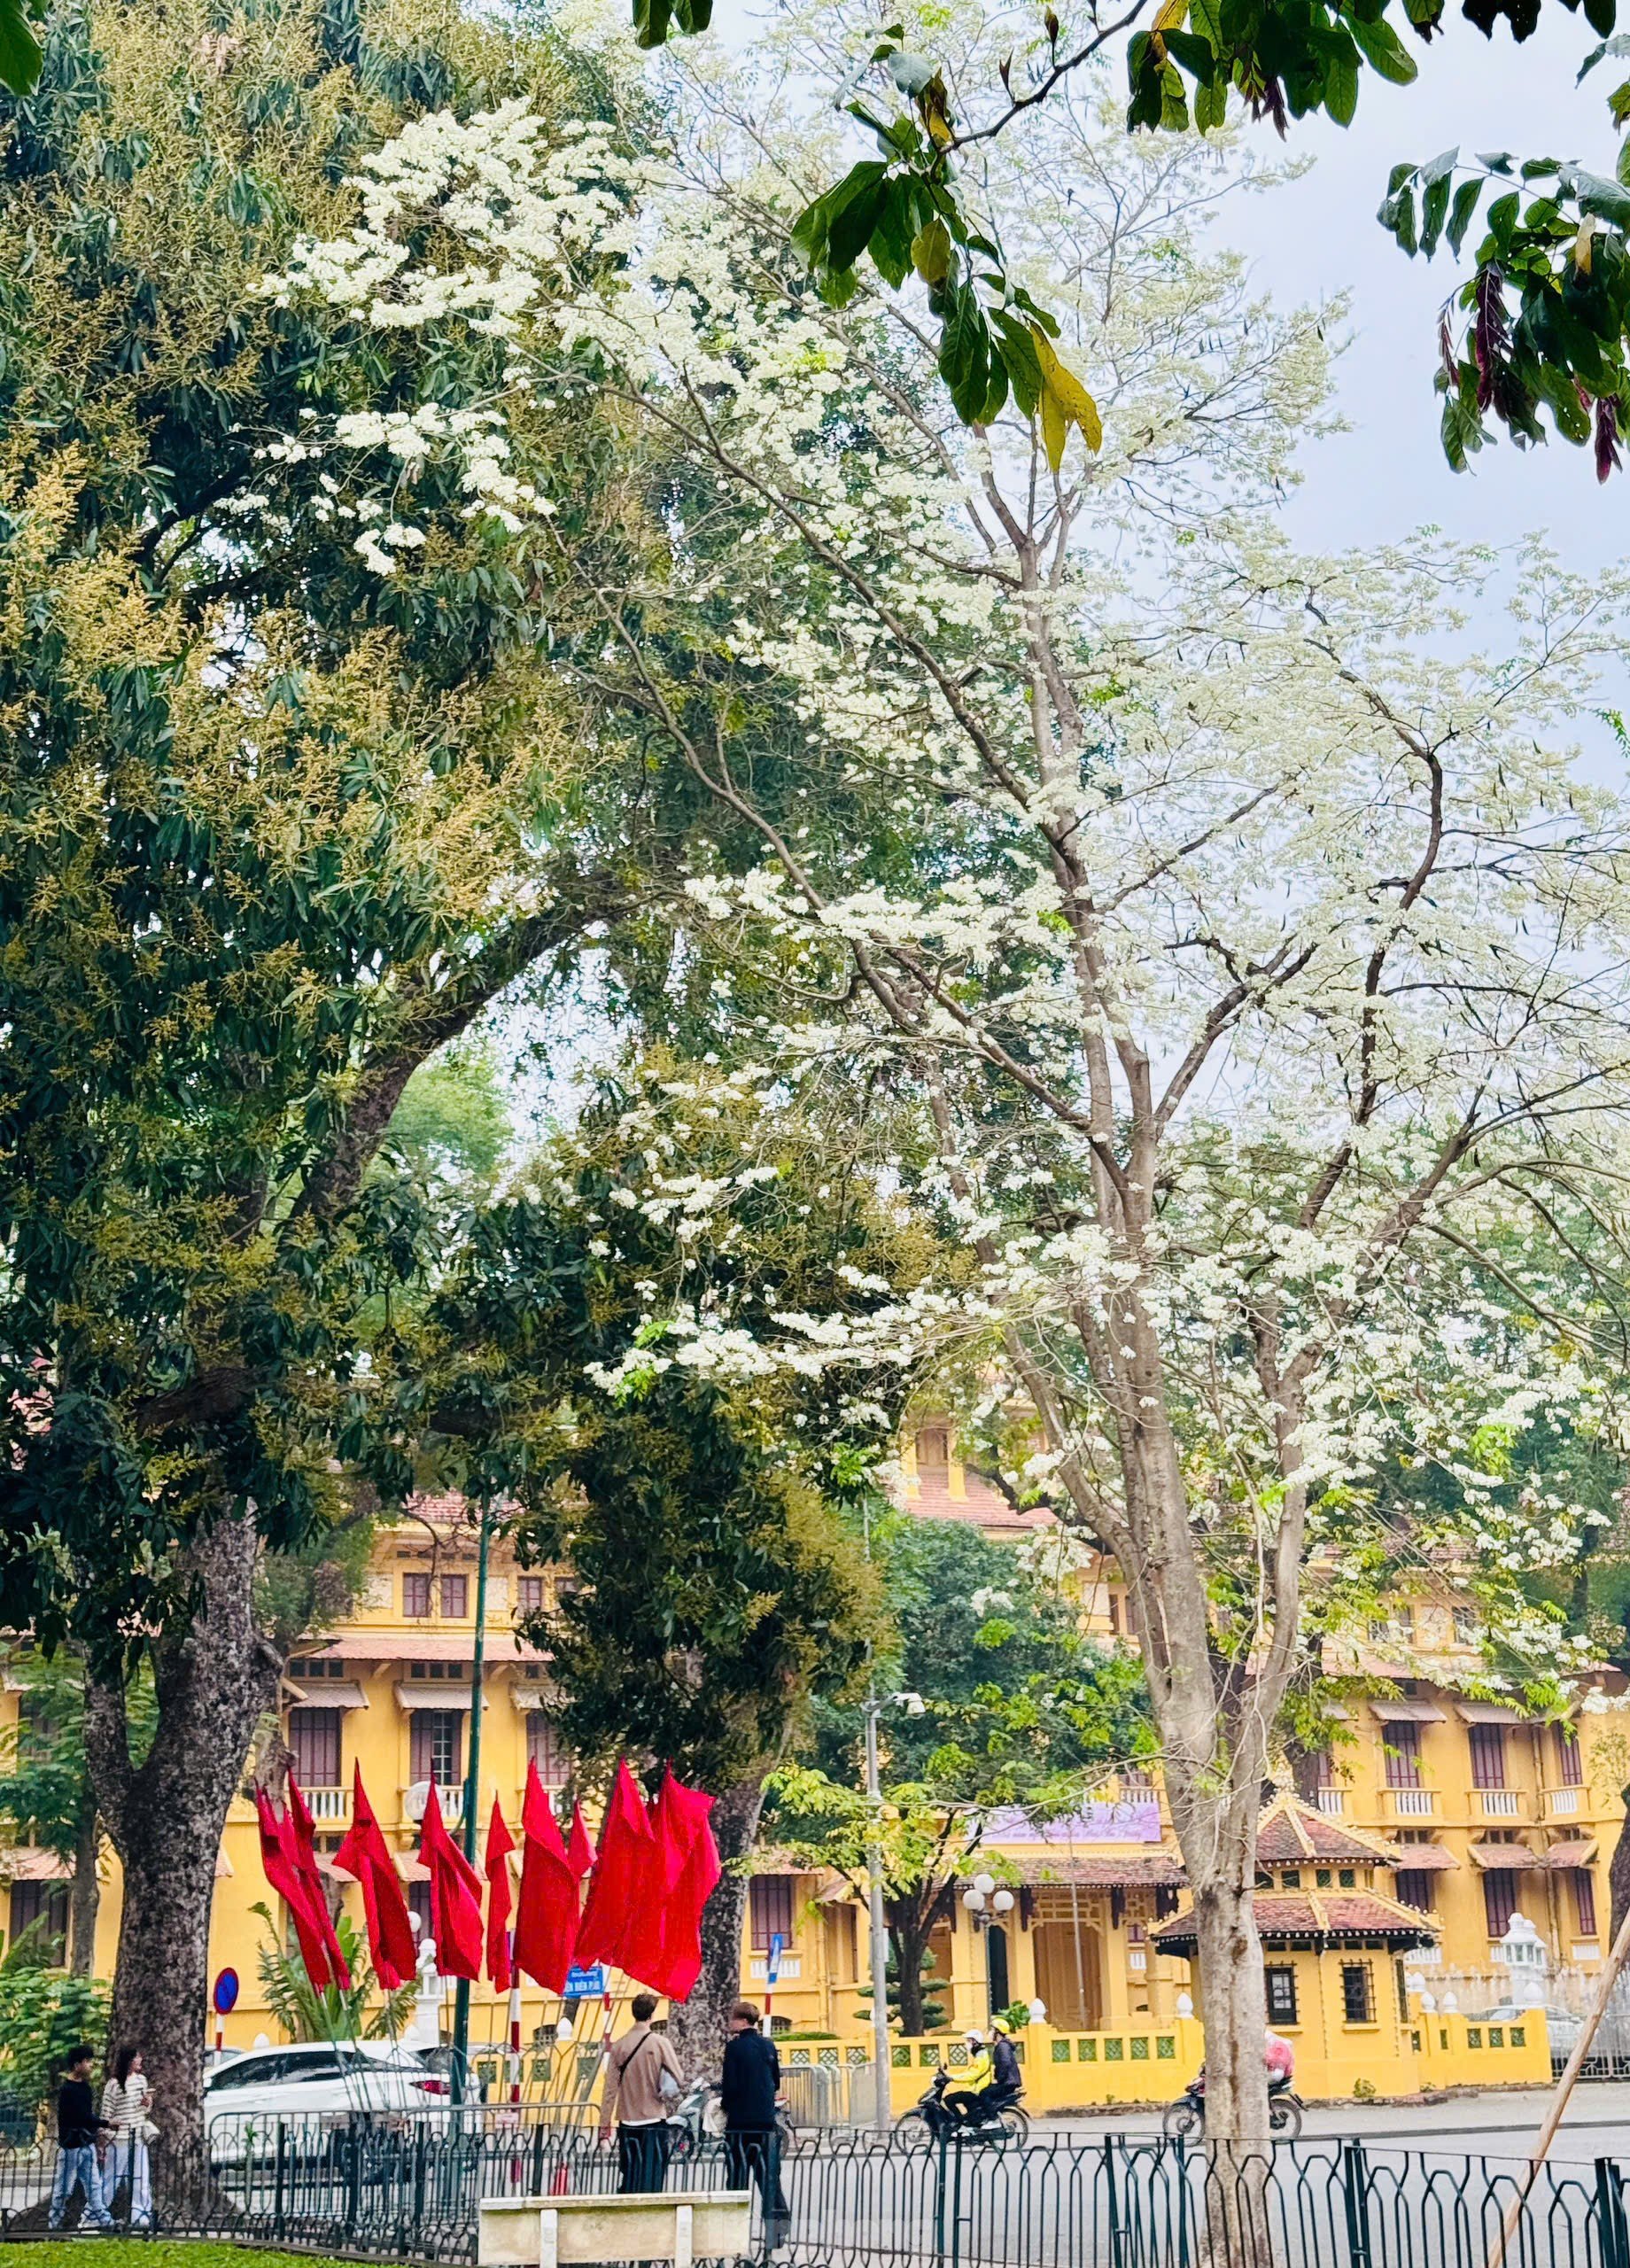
[(1618, 1872), (698, 2027), (85, 1898), (211, 1685), (1233, 2006), (910, 1927)]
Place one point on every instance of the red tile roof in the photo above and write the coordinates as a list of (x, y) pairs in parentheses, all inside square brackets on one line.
[(1423, 1857), (1328, 1916), (1158, 1869), (360, 1643), (1505, 1857), (1569, 1854), (982, 1506), (1292, 1832)]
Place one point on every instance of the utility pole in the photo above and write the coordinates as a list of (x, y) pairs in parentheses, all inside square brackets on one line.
[(472, 1796), (881, 2059)]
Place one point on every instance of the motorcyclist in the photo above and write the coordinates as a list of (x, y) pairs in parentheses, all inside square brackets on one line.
[(1280, 2057), (994, 2077)]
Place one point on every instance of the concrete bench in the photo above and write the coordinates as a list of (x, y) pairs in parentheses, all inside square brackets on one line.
[(680, 2225)]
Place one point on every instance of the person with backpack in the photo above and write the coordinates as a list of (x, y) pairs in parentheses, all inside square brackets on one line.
[(643, 2080)]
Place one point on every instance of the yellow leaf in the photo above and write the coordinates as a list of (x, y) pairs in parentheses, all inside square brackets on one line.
[(1171, 16), (939, 131), (1053, 427), (1076, 406), (931, 252), (1581, 245)]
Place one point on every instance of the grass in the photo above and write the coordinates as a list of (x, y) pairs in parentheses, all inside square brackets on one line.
[(143, 2252)]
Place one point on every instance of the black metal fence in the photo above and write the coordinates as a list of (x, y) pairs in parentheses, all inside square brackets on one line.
[(390, 2187)]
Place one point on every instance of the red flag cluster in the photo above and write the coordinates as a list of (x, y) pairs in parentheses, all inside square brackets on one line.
[(656, 1868)]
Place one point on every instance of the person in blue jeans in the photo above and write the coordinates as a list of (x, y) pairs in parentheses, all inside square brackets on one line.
[(78, 2132)]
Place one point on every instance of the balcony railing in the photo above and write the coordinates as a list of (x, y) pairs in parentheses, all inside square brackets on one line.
[(1332, 1801), (329, 1806), (1410, 1803), (1498, 1803), (1563, 1803)]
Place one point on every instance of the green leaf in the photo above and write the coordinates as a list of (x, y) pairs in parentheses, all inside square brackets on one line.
[(1340, 86), (892, 230), (1502, 220), (651, 20), (1460, 217), (1434, 211), (1440, 168), (1194, 52), (1211, 104), (1600, 15), (1616, 47), (1398, 214), (19, 51), (996, 394), (1174, 100), (964, 359), (1016, 348), (852, 211), (931, 252), (1381, 45), (1207, 17), (1608, 200)]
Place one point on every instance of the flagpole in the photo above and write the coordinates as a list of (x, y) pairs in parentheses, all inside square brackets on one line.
[(472, 1783)]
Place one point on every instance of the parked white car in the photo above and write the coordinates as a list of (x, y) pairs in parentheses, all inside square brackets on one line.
[(303, 2089)]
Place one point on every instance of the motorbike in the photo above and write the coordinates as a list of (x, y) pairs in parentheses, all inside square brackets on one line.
[(698, 2119), (933, 2121), (1185, 2119)]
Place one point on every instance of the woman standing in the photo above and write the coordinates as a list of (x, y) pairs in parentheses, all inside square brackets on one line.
[(126, 2107)]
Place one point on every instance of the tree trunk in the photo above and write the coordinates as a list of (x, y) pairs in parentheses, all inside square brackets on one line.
[(85, 1898), (1233, 2006), (698, 2026), (212, 1686), (909, 1930), (1619, 1873)]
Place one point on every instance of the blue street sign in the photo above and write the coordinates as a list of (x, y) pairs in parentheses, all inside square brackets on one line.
[(226, 1992), (773, 1966), (586, 1984)]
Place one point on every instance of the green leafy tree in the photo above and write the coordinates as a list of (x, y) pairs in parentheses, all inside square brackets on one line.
[(44, 2012), (272, 838), (334, 2013)]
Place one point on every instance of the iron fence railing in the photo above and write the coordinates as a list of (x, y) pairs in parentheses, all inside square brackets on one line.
[(410, 2186)]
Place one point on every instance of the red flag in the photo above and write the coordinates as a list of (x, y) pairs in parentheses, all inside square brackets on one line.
[(691, 1868), (500, 1842), (365, 1854), (456, 1896), (626, 1882), (298, 1827), (580, 1849), (546, 1921), (283, 1877)]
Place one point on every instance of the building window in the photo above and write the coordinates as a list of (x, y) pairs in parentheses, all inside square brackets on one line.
[(769, 1909), (531, 1590), (441, 1673), (1357, 1993), (1415, 1888), (1488, 1756), (322, 1666), (1291, 1879), (1570, 1771), (419, 1905), (1314, 1773), (456, 1596), (1468, 1632), (314, 1735), (545, 1749), (1281, 1995), (1347, 1878), (1585, 1901), (437, 1745), (1403, 1756), (1499, 1900), (46, 1903), (416, 1597)]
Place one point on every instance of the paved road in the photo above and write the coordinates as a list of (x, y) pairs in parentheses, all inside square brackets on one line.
[(1503, 2122)]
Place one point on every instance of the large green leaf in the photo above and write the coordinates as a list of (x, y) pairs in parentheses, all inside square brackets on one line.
[(20, 49)]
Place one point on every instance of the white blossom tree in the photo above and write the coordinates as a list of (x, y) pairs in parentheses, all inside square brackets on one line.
[(1241, 952)]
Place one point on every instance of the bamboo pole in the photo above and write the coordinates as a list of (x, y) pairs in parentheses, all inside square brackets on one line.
[(1565, 2088)]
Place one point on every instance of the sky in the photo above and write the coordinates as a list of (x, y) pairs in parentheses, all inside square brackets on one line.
[(1318, 237)]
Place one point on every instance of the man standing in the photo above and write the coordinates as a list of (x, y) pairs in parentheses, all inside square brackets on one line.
[(750, 2085), (635, 2071), (77, 2130)]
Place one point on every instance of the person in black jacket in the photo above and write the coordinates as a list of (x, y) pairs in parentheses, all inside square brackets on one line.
[(78, 2132), (750, 2086)]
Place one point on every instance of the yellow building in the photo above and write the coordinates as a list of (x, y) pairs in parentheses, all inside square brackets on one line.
[(1466, 1811)]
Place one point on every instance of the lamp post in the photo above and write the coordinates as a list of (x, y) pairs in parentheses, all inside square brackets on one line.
[(473, 1787), (881, 2059)]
